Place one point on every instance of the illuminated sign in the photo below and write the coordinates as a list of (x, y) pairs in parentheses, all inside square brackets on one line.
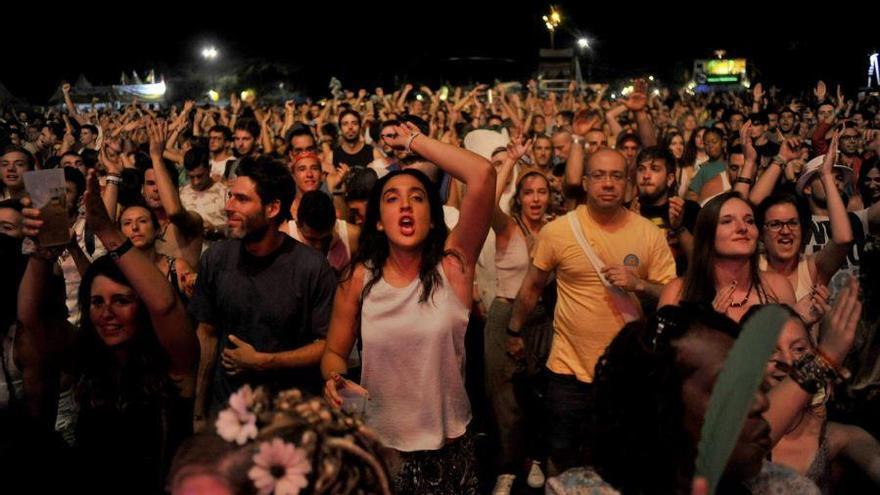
[(720, 72)]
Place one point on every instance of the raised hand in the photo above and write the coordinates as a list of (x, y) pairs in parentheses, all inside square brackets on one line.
[(758, 93), (831, 154), (820, 91), (838, 330), (401, 135), (157, 133), (814, 305), (65, 88), (745, 136), (790, 149), (517, 147)]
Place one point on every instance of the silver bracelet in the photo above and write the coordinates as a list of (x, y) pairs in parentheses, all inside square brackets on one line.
[(113, 179), (409, 143)]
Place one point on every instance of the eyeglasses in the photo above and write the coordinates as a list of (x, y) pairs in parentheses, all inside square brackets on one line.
[(776, 225), (599, 176)]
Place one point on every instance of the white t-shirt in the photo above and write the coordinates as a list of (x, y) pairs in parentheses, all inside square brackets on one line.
[(218, 167), (210, 203)]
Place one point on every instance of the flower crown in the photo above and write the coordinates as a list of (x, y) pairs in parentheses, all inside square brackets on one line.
[(324, 436)]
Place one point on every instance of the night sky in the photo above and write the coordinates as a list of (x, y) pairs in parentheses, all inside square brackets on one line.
[(370, 43)]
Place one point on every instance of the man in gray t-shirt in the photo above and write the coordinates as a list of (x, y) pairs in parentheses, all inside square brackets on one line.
[(263, 300)]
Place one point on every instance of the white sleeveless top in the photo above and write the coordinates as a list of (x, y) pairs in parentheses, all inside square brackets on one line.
[(804, 280), (413, 365), (725, 186), (511, 265)]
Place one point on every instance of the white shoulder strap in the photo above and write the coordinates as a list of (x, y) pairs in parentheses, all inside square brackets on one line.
[(620, 299), (597, 263)]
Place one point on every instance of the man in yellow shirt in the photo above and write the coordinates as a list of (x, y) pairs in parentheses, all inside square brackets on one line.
[(588, 316)]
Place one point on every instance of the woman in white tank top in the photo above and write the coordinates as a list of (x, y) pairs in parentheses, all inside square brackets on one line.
[(782, 234), (809, 273), (514, 233), (407, 296)]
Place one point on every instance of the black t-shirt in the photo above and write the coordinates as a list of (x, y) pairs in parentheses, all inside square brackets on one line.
[(766, 152), (360, 159), (276, 303), (659, 216)]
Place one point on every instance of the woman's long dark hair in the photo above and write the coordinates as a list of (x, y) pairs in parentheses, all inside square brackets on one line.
[(373, 247), (640, 443), (868, 165), (699, 281), (689, 158), (102, 383)]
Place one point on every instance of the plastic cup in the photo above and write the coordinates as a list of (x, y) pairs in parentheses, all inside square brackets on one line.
[(48, 192), (353, 401)]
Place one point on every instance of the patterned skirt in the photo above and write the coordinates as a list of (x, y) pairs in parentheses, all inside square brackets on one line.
[(451, 470)]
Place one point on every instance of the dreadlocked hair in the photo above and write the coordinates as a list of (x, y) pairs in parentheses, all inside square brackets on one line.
[(345, 457)]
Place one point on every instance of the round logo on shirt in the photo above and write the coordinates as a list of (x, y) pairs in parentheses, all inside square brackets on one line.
[(631, 260)]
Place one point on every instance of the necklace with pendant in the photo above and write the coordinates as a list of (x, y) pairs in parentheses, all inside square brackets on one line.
[(744, 301)]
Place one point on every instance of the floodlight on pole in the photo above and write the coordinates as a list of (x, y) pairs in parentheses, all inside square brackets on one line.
[(551, 22), (209, 53)]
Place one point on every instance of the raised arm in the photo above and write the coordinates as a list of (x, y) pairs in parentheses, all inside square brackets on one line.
[(478, 176), (190, 223), (167, 313), (613, 124), (71, 108), (637, 103), (833, 254), (515, 150), (41, 339), (747, 175), (788, 399), (765, 184)]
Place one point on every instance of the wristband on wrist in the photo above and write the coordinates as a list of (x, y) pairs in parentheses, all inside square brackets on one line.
[(113, 179), (409, 143), (842, 372), (745, 180), (123, 248), (513, 333)]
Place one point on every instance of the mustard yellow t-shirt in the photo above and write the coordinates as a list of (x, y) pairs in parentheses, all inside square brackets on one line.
[(585, 320)]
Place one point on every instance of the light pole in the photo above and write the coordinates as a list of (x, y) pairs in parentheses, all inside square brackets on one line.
[(552, 21), (210, 54)]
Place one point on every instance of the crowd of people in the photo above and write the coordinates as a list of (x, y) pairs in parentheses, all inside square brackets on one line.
[(440, 291)]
